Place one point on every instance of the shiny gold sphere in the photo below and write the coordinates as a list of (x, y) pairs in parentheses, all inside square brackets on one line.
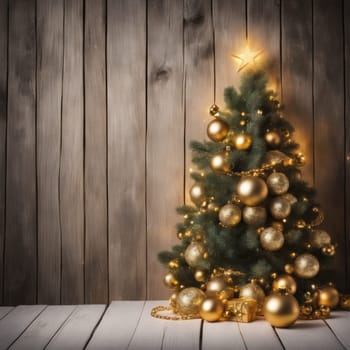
[(285, 282), (319, 238), (217, 130), (271, 239), (173, 264), (281, 310), (200, 274), (242, 141), (189, 300), (273, 139), (219, 164), (170, 280), (197, 194), (254, 215), (193, 253), (274, 157), (252, 190), (214, 109), (328, 250), (253, 291), (280, 208), (230, 215), (211, 309), (290, 198), (306, 266), (289, 268), (328, 296), (277, 183), (172, 300), (216, 285)]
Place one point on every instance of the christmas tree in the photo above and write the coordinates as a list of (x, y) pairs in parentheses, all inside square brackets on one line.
[(254, 227)]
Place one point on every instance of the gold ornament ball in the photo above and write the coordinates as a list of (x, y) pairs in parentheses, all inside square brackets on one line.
[(230, 215), (242, 141), (328, 296), (214, 109), (328, 250), (200, 275), (289, 268), (274, 157), (189, 300), (193, 253), (253, 291), (280, 208), (216, 285), (277, 183), (252, 190), (319, 238), (211, 309), (219, 164), (281, 309), (170, 280), (271, 239), (254, 215), (306, 266), (217, 130), (273, 139), (172, 300), (285, 282), (290, 198), (197, 194), (277, 225), (295, 175)]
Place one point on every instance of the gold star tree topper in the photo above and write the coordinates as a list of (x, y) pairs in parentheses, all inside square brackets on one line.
[(247, 57)]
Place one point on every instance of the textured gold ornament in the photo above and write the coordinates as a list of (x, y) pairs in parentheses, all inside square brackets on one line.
[(226, 294), (290, 198), (254, 215), (273, 139), (170, 280), (271, 239), (344, 302), (280, 208), (281, 309), (277, 183), (252, 190), (274, 157), (217, 130), (242, 141), (211, 309), (240, 310), (328, 296), (328, 250), (216, 285), (289, 268), (214, 109), (319, 238), (230, 215), (188, 301), (285, 282), (306, 266), (197, 194), (200, 274), (219, 164), (253, 291), (193, 253)]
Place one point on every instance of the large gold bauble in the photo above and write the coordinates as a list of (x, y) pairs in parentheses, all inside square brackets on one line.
[(280, 208), (252, 190), (230, 215), (273, 139), (271, 239), (281, 310), (319, 238), (216, 285), (189, 300), (277, 183), (242, 141), (217, 130), (328, 296), (254, 215), (193, 253), (219, 164), (170, 280), (253, 291), (306, 266), (290, 198), (197, 194), (274, 157), (285, 282), (211, 309)]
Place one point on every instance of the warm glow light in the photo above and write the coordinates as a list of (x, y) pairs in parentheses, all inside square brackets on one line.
[(247, 57)]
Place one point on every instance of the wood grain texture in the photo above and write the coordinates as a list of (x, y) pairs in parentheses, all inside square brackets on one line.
[(3, 122), (21, 231), (126, 56), (49, 96), (296, 77), (339, 323), (165, 134), (329, 125), (96, 246), (72, 157)]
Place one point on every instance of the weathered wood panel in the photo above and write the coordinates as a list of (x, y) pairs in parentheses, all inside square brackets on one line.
[(49, 97), (165, 121), (96, 246), (72, 157), (329, 124), (21, 231), (297, 76), (126, 57)]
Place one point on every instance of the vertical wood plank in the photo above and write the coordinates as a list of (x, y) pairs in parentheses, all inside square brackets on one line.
[(21, 230), (49, 95), (3, 120), (329, 124), (126, 57), (71, 174), (165, 134), (96, 248), (297, 75)]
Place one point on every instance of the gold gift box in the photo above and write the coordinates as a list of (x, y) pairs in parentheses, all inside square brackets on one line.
[(241, 310)]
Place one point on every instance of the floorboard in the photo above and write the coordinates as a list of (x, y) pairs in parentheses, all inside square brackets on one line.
[(339, 323), (4, 310)]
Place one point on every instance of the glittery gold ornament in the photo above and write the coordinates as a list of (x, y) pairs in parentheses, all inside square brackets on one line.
[(328, 250), (219, 163), (273, 139), (200, 274), (274, 157), (277, 183), (211, 309), (216, 285), (319, 238), (242, 141), (252, 190), (328, 296), (290, 198), (306, 266), (189, 300), (280, 208), (214, 109), (170, 280), (271, 239), (253, 291), (193, 253), (230, 215), (289, 268), (217, 130), (254, 215), (285, 282), (197, 194)]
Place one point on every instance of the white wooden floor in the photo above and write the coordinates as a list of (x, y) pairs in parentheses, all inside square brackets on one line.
[(128, 325)]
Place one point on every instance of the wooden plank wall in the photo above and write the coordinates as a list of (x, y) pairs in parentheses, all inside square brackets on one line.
[(99, 100)]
